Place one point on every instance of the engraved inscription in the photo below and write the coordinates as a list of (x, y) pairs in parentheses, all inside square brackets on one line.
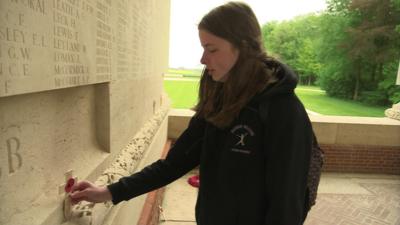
[(13, 68), (35, 5), (15, 55), (103, 41), (39, 40), (69, 49), (123, 50), (12, 35), (14, 158), (18, 43), (135, 61), (10, 146), (47, 45), (67, 7)]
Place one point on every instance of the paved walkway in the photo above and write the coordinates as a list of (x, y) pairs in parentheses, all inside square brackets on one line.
[(344, 199)]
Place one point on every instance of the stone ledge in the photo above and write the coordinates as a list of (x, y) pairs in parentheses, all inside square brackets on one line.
[(351, 144), (341, 130), (354, 120)]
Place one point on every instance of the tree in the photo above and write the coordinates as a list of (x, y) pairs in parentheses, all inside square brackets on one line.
[(374, 37), (351, 49), (368, 42), (292, 42)]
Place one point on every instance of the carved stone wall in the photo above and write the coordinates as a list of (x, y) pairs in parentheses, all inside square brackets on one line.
[(79, 79)]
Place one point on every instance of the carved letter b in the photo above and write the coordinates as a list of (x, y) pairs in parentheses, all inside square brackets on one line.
[(13, 145)]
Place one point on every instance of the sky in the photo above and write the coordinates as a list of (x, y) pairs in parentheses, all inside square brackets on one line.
[(185, 49)]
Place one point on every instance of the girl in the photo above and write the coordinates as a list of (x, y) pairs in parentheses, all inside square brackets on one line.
[(250, 135)]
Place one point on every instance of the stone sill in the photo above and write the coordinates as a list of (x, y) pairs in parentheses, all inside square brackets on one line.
[(331, 130)]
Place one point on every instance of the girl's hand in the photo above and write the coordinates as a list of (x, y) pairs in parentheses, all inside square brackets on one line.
[(87, 191)]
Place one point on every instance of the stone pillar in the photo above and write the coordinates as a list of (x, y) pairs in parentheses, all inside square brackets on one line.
[(394, 112), (398, 76)]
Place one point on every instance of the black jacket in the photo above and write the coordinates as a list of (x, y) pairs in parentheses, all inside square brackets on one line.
[(253, 173)]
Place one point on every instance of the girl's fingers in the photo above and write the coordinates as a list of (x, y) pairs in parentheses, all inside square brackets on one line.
[(82, 185), (86, 191), (78, 194)]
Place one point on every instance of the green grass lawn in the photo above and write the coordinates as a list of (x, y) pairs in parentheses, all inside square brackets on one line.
[(319, 102), (183, 94), (183, 73)]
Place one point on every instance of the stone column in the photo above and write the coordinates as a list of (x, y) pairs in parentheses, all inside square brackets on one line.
[(394, 112)]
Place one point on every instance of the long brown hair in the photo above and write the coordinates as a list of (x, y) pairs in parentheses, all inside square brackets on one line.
[(220, 103)]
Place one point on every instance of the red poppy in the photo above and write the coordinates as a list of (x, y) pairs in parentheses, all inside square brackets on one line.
[(68, 186), (194, 181)]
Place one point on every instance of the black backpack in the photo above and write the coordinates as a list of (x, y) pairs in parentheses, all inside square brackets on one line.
[(314, 170), (316, 160)]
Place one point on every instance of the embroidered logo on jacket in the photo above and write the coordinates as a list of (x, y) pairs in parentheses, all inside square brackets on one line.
[(241, 132), (241, 141)]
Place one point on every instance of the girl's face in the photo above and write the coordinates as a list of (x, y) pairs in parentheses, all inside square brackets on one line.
[(219, 55)]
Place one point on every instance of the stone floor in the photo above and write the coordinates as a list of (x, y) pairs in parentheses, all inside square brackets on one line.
[(343, 199)]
